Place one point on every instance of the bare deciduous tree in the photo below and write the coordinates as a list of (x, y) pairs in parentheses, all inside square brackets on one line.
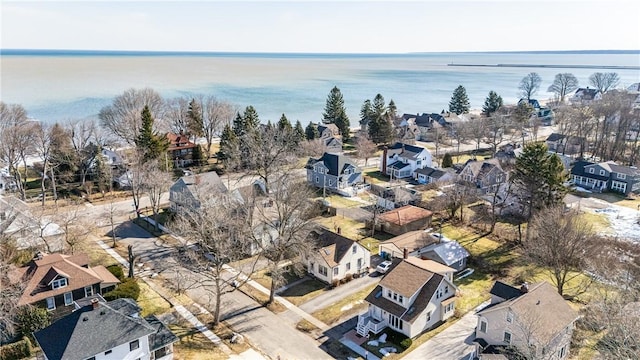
[(218, 229), (281, 229), (563, 84), (365, 148), (122, 117), (82, 135), (16, 141), (563, 242), (529, 85), (215, 115), (155, 183), (604, 81)]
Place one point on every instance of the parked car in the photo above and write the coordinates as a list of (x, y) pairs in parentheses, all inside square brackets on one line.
[(383, 267)]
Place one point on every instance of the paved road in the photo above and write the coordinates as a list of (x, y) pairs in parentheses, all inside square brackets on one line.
[(454, 343), (262, 328), (329, 297)]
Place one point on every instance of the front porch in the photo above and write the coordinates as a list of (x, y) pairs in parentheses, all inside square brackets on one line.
[(367, 322)]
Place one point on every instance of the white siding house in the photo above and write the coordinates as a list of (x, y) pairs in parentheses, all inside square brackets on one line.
[(337, 257)]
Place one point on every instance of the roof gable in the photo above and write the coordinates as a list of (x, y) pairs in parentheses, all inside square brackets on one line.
[(405, 215), (333, 247), (406, 279)]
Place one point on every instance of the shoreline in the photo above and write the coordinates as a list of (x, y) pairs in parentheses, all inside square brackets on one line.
[(550, 66)]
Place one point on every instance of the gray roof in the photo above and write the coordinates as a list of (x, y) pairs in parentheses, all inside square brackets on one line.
[(162, 337), (505, 291), (88, 331), (209, 181), (434, 173), (408, 151), (555, 137), (450, 252), (627, 170), (336, 163)]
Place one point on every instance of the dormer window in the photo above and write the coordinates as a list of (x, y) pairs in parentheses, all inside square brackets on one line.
[(591, 171), (622, 176), (602, 172), (58, 283)]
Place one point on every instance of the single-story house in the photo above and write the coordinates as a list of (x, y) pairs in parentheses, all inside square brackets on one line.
[(412, 242), (566, 145), (449, 253), (407, 218), (337, 257), (430, 175), (394, 197)]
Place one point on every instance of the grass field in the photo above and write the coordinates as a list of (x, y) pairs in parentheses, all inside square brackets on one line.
[(346, 307), (305, 291), (151, 302)]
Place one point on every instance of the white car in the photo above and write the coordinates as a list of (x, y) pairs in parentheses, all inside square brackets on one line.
[(383, 267)]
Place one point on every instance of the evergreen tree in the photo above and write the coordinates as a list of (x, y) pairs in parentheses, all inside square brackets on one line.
[(492, 103), (247, 122), (447, 161), (392, 110), (459, 103), (380, 126), (336, 113), (199, 157), (539, 177), (102, 172), (228, 143), (299, 132), (284, 123), (195, 124), (269, 127), (149, 143), (311, 132), (366, 112)]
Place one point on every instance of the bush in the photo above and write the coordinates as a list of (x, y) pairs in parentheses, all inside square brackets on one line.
[(348, 277), (117, 271), (16, 351), (406, 343), (335, 283), (129, 288), (30, 319)]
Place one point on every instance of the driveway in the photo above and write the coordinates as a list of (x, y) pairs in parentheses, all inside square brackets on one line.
[(454, 343), (332, 296)]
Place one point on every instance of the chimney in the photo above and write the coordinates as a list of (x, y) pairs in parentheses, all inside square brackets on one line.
[(525, 287), (405, 253), (94, 304), (339, 230)]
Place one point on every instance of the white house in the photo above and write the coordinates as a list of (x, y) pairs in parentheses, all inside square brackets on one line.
[(532, 320), (188, 190), (414, 296), (337, 257), (100, 331), (402, 160)]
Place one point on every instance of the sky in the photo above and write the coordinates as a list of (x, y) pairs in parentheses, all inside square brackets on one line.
[(321, 26)]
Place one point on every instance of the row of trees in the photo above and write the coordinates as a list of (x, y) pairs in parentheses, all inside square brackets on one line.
[(564, 83)]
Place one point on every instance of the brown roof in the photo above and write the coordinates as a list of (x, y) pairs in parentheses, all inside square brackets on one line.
[(406, 278), (179, 141), (41, 272), (430, 265), (332, 246), (107, 277), (412, 240), (423, 298), (405, 215), (542, 310)]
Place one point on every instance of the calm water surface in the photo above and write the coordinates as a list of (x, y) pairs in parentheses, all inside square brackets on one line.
[(64, 86)]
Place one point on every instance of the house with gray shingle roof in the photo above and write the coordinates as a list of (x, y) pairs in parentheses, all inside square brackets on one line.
[(534, 321), (411, 298), (102, 331), (334, 172), (486, 176), (186, 192), (429, 175), (449, 253), (606, 176), (401, 160), (336, 257)]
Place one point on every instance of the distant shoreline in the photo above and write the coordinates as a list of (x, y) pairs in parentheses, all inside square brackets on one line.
[(73, 52), (608, 67)]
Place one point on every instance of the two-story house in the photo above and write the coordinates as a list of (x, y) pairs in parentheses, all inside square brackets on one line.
[(532, 321), (336, 257), (55, 281), (606, 176), (402, 160), (188, 191), (105, 331), (486, 175), (411, 298), (330, 137), (180, 149), (566, 145), (334, 172), (585, 95)]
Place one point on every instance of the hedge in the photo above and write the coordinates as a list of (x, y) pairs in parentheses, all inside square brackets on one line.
[(129, 288), (117, 271), (17, 350)]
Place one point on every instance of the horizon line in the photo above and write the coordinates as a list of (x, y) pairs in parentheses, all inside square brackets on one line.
[(15, 51)]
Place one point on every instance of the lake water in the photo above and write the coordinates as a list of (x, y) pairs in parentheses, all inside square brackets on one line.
[(59, 86)]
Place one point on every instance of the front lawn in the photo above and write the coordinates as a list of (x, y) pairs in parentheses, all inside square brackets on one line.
[(346, 307), (151, 302), (303, 292)]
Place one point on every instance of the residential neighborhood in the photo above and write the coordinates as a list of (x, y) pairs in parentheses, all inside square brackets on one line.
[(275, 245)]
